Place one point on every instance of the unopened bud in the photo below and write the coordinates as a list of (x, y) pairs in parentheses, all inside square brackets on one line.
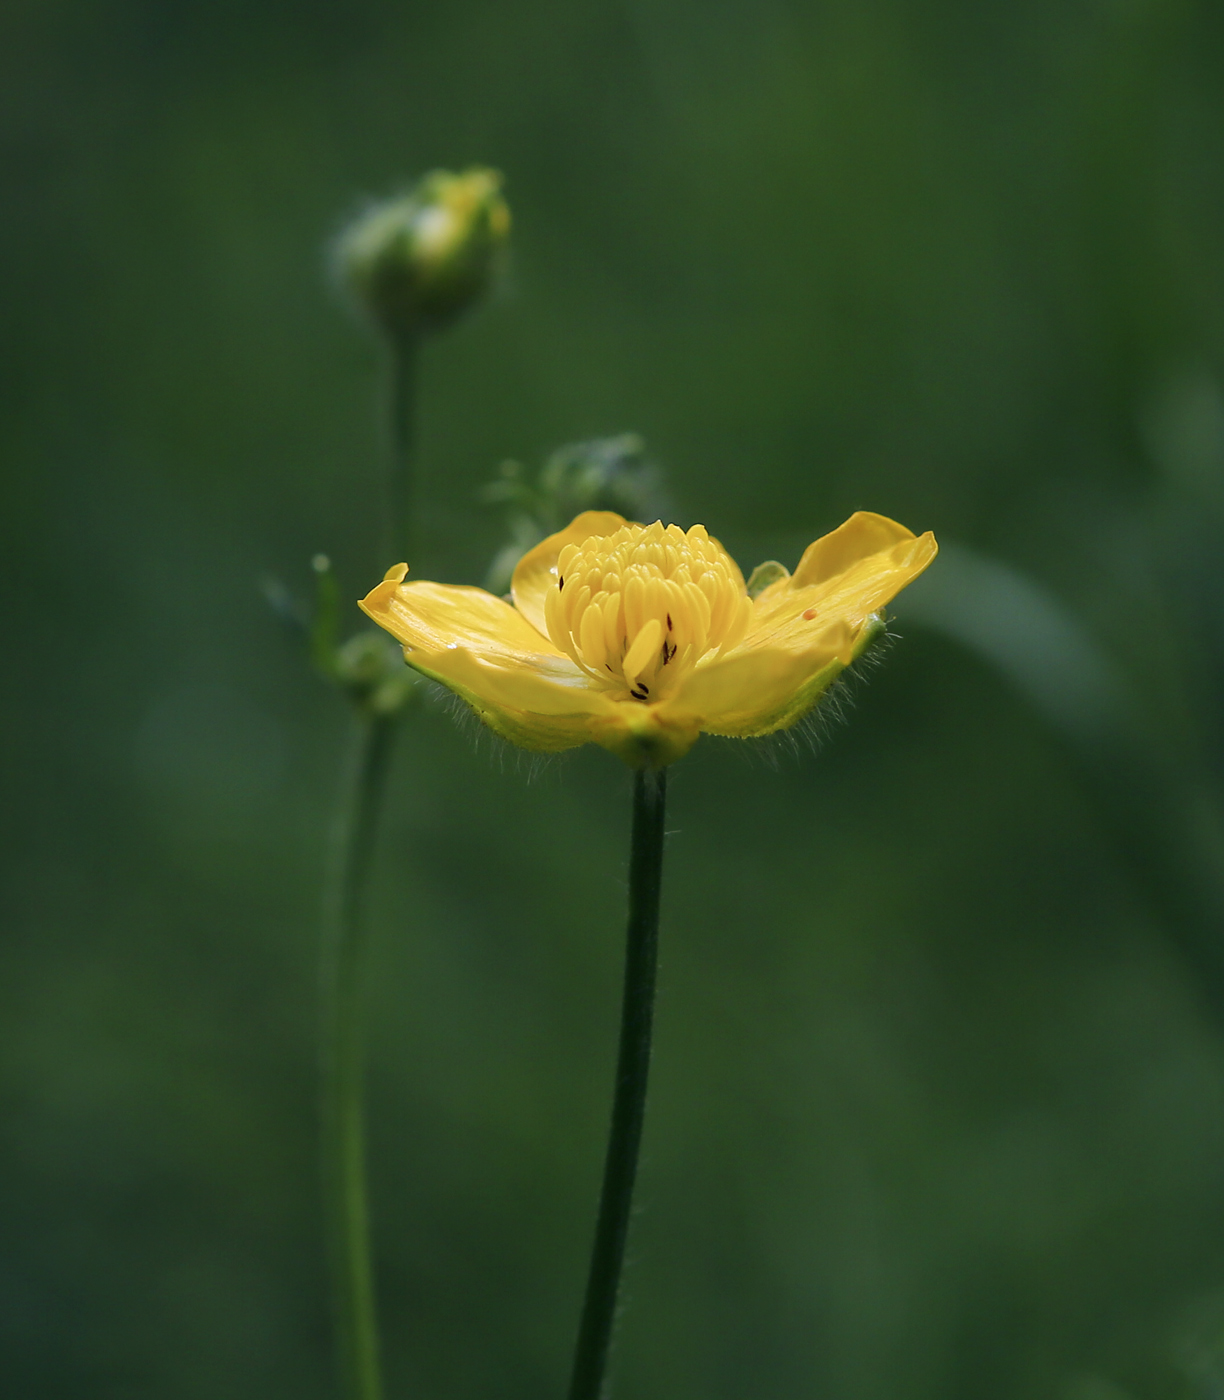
[(416, 262), (374, 673)]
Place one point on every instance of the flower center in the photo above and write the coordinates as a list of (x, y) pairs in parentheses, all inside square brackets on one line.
[(638, 609)]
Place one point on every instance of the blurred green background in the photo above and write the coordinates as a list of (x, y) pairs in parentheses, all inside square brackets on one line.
[(938, 1106)]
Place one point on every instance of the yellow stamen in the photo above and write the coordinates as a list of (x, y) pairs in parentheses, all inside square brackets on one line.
[(639, 608)]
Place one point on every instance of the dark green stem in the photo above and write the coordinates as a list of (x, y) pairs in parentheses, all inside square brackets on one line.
[(629, 1103), (403, 488), (344, 956)]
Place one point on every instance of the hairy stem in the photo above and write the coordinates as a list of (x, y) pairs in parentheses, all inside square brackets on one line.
[(629, 1102)]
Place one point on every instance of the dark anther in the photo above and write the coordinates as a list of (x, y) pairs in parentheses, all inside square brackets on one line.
[(560, 582), (645, 689), (669, 650), (669, 622)]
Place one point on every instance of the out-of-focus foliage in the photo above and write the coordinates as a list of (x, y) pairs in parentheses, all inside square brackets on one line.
[(938, 1108), (611, 473), (367, 666)]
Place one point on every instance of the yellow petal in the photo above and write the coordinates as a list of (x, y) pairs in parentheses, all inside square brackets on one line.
[(488, 654), (847, 576), (806, 629), (749, 693), (645, 649), (863, 535), (536, 570)]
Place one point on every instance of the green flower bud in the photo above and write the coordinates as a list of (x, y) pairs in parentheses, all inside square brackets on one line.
[(374, 674), (416, 262)]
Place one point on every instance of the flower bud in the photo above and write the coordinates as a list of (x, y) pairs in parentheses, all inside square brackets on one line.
[(416, 262), (374, 674)]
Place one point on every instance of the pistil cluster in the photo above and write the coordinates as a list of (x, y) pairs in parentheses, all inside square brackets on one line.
[(638, 609)]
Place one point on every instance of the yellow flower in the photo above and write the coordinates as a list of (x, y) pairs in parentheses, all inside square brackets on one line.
[(640, 637)]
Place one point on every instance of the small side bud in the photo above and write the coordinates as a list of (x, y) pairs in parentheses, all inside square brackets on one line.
[(416, 262), (765, 574), (371, 669)]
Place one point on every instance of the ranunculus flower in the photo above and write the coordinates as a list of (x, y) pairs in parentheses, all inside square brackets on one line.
[(642, 637)]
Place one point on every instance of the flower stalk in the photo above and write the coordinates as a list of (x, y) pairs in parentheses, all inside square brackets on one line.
[(377, 710), (344, 958), (629, 1102), (412, 265), (402, 528)]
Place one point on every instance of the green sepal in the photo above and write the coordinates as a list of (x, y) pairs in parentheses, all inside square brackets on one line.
[(765, 574)]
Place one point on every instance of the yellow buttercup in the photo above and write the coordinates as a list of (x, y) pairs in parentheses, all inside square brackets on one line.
[(641, 637)]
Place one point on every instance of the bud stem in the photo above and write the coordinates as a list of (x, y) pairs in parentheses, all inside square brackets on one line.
[(342, 1118), (402, 527), (629, 1103)]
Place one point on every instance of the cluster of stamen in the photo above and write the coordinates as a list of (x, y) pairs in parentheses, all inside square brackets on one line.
[(639, 608)]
